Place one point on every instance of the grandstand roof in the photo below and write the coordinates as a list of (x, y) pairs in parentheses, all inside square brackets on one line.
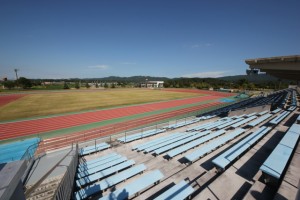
[(286, 67)]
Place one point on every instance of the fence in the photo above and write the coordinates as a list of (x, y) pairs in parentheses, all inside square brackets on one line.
[(65, 187), (140, 128), (29, 158)]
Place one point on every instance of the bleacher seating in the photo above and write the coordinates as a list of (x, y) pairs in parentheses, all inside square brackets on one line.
[(181, 190), (207, 148), (137, 136), (251, 114), (226, 158), (165, 143), (244, 121), (262, 113), (193, 144), (93, 148), (184, 123), (275, 164), (104, 173), (100, 167), (260, 120), (279, 118), (154, 142), (298, 119), (134, 188), (109, 182), (96, 162), (276, 111), (222, 126), (195, 135)]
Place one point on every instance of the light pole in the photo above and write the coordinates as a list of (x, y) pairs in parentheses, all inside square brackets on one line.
[(146, 83)]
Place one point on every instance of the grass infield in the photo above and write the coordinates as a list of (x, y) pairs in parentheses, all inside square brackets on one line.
[(52, 103)]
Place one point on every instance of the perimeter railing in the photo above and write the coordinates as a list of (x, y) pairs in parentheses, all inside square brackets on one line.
[(65, 187)]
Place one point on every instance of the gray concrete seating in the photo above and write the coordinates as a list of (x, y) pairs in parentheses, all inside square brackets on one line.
[(109, 182), (134, 188), (209, 147), (226, 158), (182, 190)]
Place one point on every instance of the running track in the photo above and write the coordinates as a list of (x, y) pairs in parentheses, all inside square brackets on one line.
[(23, 128)]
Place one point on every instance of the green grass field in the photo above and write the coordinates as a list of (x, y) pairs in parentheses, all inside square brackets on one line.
[(51, 103)]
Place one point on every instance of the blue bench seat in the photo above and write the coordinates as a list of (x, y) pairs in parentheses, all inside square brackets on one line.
[(209, 147), (145, 145), (276, 111), (134, 188), (279, 118), (263, 112), (88, 166), (152, 148), (101, 174), (193, 144), (226, 158), (93, 148), (182, 190), (260, 119), (100, 167), (109, 182), (133, 137), (244, 121), (102, 158), (275, 164), (222, 126), (196, 135)]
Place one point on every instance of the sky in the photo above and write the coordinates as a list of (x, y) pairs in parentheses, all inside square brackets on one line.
[(169, 38)]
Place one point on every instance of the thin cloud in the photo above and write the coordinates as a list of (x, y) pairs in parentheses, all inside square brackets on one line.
[(214, 74), (102, 67), (128, 63), (196, 46)]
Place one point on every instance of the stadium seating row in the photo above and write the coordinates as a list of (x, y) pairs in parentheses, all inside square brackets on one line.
[(226, 158), (137, 136), (93, 148), (277, 161)]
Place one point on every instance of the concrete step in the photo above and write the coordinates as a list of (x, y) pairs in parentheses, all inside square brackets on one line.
[(46, 190)]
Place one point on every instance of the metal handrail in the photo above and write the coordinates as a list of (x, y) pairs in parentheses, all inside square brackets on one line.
[(65, 187)]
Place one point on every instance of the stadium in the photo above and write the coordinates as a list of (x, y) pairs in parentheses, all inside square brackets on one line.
[(160, 144)]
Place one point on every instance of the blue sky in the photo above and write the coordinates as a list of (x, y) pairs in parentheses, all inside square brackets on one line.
[(99, 38)]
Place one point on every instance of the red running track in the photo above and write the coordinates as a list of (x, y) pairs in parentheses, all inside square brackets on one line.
[(23, 128), (5, 99), (62, 141)]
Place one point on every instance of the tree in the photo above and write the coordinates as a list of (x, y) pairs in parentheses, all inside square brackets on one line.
[(97, 85), (105, 85), (9, 84), (113, 85), (66, 86), (77, 85), (87, 85), (24, 83)]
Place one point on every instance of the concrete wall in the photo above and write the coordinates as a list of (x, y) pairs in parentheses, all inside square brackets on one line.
[(249, 110)]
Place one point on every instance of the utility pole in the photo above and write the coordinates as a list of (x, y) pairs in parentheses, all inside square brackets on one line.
[(16, 71)]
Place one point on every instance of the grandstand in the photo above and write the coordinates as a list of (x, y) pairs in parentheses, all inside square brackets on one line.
[(246, 150), (180, 159)]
